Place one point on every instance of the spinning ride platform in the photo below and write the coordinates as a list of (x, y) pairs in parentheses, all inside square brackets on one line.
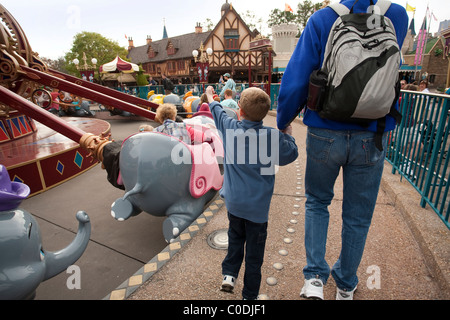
[(40, 157)]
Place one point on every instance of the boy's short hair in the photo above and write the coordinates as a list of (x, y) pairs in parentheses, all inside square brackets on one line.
[(255, 103), (166, 111), (228, 93), (425, 82), (145, 127)]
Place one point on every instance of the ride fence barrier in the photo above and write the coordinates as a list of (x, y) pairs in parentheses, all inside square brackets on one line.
[(197, 90), (418, 148)]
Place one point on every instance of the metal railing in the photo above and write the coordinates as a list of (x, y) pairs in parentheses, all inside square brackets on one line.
[(418, 148), (197, 90)]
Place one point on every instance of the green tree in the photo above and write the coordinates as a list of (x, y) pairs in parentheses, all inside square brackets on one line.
[(305, 10), (300, 17), (278, 17), (252, 21), (208, 24), (95, 46)]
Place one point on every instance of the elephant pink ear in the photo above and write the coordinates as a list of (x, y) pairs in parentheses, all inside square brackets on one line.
[(205, 174)]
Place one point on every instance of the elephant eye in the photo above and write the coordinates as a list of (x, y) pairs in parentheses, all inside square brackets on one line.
[(29, 230), (41, 254)]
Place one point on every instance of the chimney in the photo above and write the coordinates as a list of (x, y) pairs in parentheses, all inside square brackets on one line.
[(198, 28), (130, 43), (149, 39)]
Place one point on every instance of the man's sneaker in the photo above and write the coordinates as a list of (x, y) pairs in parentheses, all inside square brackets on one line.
[(312, 289), (344, 294), (228, 283)]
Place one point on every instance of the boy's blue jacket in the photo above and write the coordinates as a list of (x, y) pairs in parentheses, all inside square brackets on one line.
[(308, 56), (251, 156)]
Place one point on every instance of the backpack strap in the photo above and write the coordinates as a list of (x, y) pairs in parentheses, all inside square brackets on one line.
[(383, 5), (339, 8)]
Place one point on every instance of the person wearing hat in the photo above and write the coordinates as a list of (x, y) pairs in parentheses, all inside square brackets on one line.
[(230, 84)]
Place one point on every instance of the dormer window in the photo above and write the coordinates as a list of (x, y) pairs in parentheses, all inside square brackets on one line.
[(151, 53), (231, 37), (171, 49)]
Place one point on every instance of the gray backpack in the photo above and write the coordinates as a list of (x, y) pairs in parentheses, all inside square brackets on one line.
[(358, 81)]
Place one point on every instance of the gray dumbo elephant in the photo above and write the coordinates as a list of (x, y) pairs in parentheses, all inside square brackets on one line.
[(166, 177), (24, 263)]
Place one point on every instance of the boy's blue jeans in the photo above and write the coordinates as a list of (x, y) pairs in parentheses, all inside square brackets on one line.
[(362, 163), (244, 233)]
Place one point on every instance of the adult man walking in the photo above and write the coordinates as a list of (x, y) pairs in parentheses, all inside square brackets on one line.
[(330, 146)]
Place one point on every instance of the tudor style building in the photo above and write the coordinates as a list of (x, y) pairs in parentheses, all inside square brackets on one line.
[(229, 40)]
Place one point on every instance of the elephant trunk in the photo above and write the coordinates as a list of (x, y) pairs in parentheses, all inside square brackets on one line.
[(56, 262)]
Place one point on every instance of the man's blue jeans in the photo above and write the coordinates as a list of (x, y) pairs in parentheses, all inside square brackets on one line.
[(244, 233), (362, 167)]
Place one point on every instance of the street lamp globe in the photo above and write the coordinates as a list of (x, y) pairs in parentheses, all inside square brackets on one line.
[(94, 61), (209, 51), (195, 53), (76, 61)]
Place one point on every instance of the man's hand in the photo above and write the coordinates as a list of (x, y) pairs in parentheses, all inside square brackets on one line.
[(287, 130)]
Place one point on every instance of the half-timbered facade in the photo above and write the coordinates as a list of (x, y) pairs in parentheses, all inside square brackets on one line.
[(229, 40)]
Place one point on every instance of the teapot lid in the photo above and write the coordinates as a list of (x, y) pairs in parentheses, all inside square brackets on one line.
[(11, 193)]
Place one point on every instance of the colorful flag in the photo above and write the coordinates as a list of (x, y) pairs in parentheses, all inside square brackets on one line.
[(126, 37), (410, 8), (288, 8), (421, 42), (433, 16)]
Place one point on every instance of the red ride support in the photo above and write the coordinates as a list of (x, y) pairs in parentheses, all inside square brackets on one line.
[(105, 90), (58, 83), (46, 118)]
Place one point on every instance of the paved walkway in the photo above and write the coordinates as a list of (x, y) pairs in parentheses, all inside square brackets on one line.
[(407, 254)]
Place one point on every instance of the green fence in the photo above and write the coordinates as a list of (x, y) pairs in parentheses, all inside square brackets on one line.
[(197, 90), (418, 148)]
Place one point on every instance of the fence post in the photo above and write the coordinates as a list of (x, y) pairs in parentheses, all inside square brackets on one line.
[(434, 154), (398, 137)]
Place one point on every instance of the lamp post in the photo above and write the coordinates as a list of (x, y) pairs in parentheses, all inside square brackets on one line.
[(202, 60), (86, 71)]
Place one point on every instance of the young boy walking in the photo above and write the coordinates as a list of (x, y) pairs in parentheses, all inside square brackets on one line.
[(252, 152)]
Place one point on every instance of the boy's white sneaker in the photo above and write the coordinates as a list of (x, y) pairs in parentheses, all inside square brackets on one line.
[(228, 283), (344, 294), (312, 289)]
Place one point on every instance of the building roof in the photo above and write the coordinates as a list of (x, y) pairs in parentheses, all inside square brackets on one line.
[(430, 44), (412, 28), (183, 44)]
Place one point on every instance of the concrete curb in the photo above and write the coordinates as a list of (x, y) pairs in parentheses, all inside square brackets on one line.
[(431, 235)]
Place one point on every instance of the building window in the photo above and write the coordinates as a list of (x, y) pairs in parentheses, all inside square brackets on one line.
[(151, 53), (231, 37), (231, 44), (181, 65), (171, 66), (150, 68), (171, 51), (432, 78)]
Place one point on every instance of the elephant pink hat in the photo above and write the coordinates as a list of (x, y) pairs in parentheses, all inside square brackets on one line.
[(11, 193)]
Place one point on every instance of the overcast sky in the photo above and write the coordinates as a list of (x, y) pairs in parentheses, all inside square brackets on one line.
[(50, 25)]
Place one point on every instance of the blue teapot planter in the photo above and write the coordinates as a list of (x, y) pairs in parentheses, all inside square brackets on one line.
[(24, 264)]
